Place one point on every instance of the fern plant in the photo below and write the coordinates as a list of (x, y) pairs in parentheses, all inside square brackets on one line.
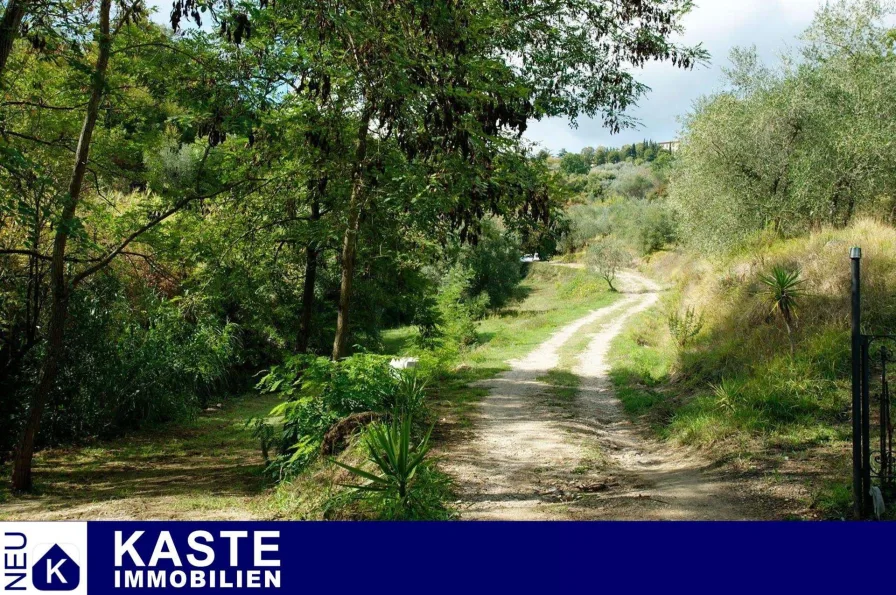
[(783, 289), (398, 461)]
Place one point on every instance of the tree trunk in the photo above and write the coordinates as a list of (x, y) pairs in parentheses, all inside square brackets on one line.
[(311, 255), (9, 30), (350, 241), (60, 289)]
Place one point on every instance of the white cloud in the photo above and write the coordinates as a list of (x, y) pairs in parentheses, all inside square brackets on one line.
[(770, 25)]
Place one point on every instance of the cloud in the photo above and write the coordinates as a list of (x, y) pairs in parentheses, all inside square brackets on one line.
[(720, 25)]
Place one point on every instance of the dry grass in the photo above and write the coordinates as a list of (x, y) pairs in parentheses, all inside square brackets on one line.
[(737, 392)]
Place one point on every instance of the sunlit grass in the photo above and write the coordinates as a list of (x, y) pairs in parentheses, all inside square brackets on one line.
[(549, 298)]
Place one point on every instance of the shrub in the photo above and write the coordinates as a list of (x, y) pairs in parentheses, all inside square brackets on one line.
[(656, 228), (573, 163), (409, 394), (494, 267), (319, 392), (390, 449), (783, 288), (130, 365), (684, 328)]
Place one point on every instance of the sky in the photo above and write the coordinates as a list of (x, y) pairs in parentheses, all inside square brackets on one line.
[(771, 25)]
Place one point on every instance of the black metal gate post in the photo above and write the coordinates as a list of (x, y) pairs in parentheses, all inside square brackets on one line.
[(866, 426), (886, 429), (858, 499)]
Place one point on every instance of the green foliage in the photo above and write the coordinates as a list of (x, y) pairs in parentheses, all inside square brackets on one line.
[(318, 392), (573, 163), (626, 202), (264, 433), (783, 289), (606, 256), (467, 285), (643, 152), (494, 263), (727, 395), (789, 148), (685, 327), (123, 371), (409, 395), (656, 228), (224, 207), (398, 459), (736, 387)]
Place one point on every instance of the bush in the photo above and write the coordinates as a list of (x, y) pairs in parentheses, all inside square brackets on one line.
[(494, 265), (319, 392), (684, 328), (656, 228), (131, 364), (392, 452), (573, 163)]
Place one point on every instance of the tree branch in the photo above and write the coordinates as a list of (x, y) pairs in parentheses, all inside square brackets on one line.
[(105, 260), (33, 253)]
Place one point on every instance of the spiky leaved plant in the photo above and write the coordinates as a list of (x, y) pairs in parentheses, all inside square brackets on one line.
[(783, 289), (389, 448)]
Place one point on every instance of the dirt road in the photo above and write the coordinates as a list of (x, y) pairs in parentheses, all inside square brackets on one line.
[(538, 456)]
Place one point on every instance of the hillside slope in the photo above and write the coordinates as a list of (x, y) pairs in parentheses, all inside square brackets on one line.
[(736, 390)]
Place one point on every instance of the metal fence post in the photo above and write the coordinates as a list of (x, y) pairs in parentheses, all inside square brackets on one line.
[(855, 254), (866, 426)]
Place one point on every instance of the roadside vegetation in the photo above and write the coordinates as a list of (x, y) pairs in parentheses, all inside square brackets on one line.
[(547, 298), (749, 224), (259, 191), (748, 357)]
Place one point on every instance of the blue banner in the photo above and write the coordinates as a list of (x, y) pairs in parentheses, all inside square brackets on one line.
[(249, 557)]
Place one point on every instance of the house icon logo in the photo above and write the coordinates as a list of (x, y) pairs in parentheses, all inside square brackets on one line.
[(57, 568)]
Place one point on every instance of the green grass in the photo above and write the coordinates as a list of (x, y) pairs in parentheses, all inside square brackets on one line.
[(736, 391), (209, 467), (549, 298), (564, 386), (641, 359), (398, 341), (555, 297), (701, 396)]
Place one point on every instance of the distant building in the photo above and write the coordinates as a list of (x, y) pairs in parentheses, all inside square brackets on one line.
[(671, 146)]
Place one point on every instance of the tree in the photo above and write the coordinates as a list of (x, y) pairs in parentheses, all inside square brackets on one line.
[(580, 65), (774, 152), (574, 163), (587, 154), (606, 256), (94, 222), (403, 62), (61, 286)]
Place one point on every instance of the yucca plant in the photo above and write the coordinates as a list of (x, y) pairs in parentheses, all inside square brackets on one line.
[(784, 288), (409, 393), (727, 394), (389, 448)]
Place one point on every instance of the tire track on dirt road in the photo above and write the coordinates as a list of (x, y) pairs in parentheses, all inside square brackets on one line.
[(532, 460)]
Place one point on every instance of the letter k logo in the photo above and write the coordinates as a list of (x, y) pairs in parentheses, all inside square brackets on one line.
[(56, 570)]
